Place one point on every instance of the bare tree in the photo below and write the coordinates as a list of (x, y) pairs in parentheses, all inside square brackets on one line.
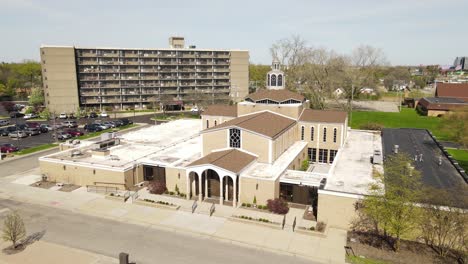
[(290, 51), (13, 228)]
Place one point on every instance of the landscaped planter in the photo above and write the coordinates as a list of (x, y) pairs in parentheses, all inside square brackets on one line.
[(303, 230), (157, 205), (114, 197), (255, 222)]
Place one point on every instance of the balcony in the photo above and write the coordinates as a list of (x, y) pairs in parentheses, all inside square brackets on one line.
[(126, 69), (187, 62), (149, 55), (89, 93), (88, 62), (205, 55), (129, 77), (90, 86), (207, 76), (204, 63), (187, 55), (91, 101), (222, 56), (108, 54), (110, 85), (169, 91), (130, 55), (87, 54), (108, 101), (187, 83), (222, 84), (190, 76), (221, 77), (149, 84), (221, 69), (168, 84), (89, 78), (149, 77), (149, 62), (204, 84), (168, 62), (131, 63), (106, 62), (108, 78)]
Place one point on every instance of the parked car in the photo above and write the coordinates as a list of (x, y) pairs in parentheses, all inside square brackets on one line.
[(11, 129), (104, 114), (118, 123), (16, 115), (110, 124), (102, 125), (45, 128), (17, 134), (3, 132), (70, 124), (7, 148), (32, 131), (194, 109), (4, 122), (33, 124), (63, 116), (30, 115), (21, 127), (93, 128), (126, 121), (61, 135), (71, 116), (93, 115), (74, 132)]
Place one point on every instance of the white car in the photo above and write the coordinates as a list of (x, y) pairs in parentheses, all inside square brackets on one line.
[(29, 116), (63, 116), (104, 114), (194, 109)]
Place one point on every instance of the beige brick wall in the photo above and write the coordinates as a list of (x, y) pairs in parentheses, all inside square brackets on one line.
[(436, 113), (336, 211), (175, 176), (283, 142), (256, 144), (214, 140), (266, 190), (84, 176), (293, 112), (59, 78), (239, 74), (211, 120)]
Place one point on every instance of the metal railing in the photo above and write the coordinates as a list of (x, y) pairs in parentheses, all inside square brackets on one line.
[(194, 206), (212, 209), (101, 189)]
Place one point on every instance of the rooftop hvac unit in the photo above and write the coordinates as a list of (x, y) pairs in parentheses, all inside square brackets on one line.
[(395, 149)]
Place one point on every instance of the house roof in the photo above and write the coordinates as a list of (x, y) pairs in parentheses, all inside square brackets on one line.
[(275, 95), (265, 123), (442, 103), (325, 116), (455, 90), (232, 160), (221, 110)]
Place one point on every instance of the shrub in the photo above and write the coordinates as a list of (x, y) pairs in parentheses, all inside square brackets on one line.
[(278, 206), (111, 194), (320, 226), (176, 189), (243, 204), (157, 187), (372, 126), (312, 228), (183, 195), (255, 200), (248, 205), (171, 193), (305, 165)]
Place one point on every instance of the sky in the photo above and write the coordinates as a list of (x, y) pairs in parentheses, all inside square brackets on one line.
[(410, 32)]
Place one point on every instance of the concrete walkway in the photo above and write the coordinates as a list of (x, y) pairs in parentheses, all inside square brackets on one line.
[(325, 250), (41, 252)]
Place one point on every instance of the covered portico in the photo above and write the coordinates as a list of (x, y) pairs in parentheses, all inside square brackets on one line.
[(217, 176)]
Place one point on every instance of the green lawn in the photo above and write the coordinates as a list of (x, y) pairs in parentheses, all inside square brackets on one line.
[(359, 260), (407, 118), (35, 149), (461, 156)]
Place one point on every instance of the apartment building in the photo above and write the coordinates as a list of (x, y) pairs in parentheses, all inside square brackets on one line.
[(124, 78)]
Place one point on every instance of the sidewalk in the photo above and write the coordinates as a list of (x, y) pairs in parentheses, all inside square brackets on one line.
[(41, 252), (325, 250)]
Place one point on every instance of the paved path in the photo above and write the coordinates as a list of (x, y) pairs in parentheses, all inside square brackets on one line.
[(22, 164), (144, 243)]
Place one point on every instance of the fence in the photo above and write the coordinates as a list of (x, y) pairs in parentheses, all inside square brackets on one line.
[(101, 189)]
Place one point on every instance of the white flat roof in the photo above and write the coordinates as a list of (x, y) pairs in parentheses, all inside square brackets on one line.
[(174, 142), (273, 171), (353, 171)]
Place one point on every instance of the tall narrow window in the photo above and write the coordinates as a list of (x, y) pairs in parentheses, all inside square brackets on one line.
[(216, 122), (273, 80), (324, 134), (333, 155), (280, 80), (234, 138), (302, 132), (207, 123), (312, 133), (334, 135)]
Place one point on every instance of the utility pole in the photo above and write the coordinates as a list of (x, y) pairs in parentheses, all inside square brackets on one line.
[(351, 104)]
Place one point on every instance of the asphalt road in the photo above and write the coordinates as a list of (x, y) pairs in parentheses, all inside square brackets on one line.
[(22, 164), (144, 244)]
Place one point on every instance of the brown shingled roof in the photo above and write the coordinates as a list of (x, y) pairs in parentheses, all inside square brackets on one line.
[(326, 116), (221, 110), (455, 90), (275, 95), (232, 160), (442, 103), (265, 123)]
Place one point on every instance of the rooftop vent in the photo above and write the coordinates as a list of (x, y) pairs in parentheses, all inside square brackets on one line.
[(395, 149)]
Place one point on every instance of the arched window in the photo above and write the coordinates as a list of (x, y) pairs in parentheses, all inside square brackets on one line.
[(324, 134), (216, 122), (334, 134), (302, 132), (207, 123), (273, 80), (312, 133), (280, 79), (268, 79)]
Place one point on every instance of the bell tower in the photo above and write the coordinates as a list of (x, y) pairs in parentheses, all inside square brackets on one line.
[(275, 77)]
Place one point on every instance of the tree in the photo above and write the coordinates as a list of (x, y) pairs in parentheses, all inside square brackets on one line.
[(37, 98), (391, 203), (13, 228), (45, 114), (456, 124), (443, 226), (257, 75), (164, 100)]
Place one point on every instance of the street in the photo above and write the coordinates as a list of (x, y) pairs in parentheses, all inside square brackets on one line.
[(144, 243)]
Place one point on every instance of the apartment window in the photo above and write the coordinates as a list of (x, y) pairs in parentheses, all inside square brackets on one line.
[(333, 155), (302, 132), (323, 155), (207, 123), (234, 138), (312, 153), (334, 134), (312, 130), (324, 134)]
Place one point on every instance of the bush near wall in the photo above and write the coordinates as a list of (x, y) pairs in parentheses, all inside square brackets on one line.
[(278, 206), (157, 187)]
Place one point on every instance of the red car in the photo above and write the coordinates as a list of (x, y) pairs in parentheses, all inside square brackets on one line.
[(74, 133), (7, 148), (33, 124)]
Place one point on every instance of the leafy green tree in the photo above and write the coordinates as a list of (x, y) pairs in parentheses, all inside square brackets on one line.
[(391, 203), (456, 124), (37, 98), (45, 114), (257, 75)]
